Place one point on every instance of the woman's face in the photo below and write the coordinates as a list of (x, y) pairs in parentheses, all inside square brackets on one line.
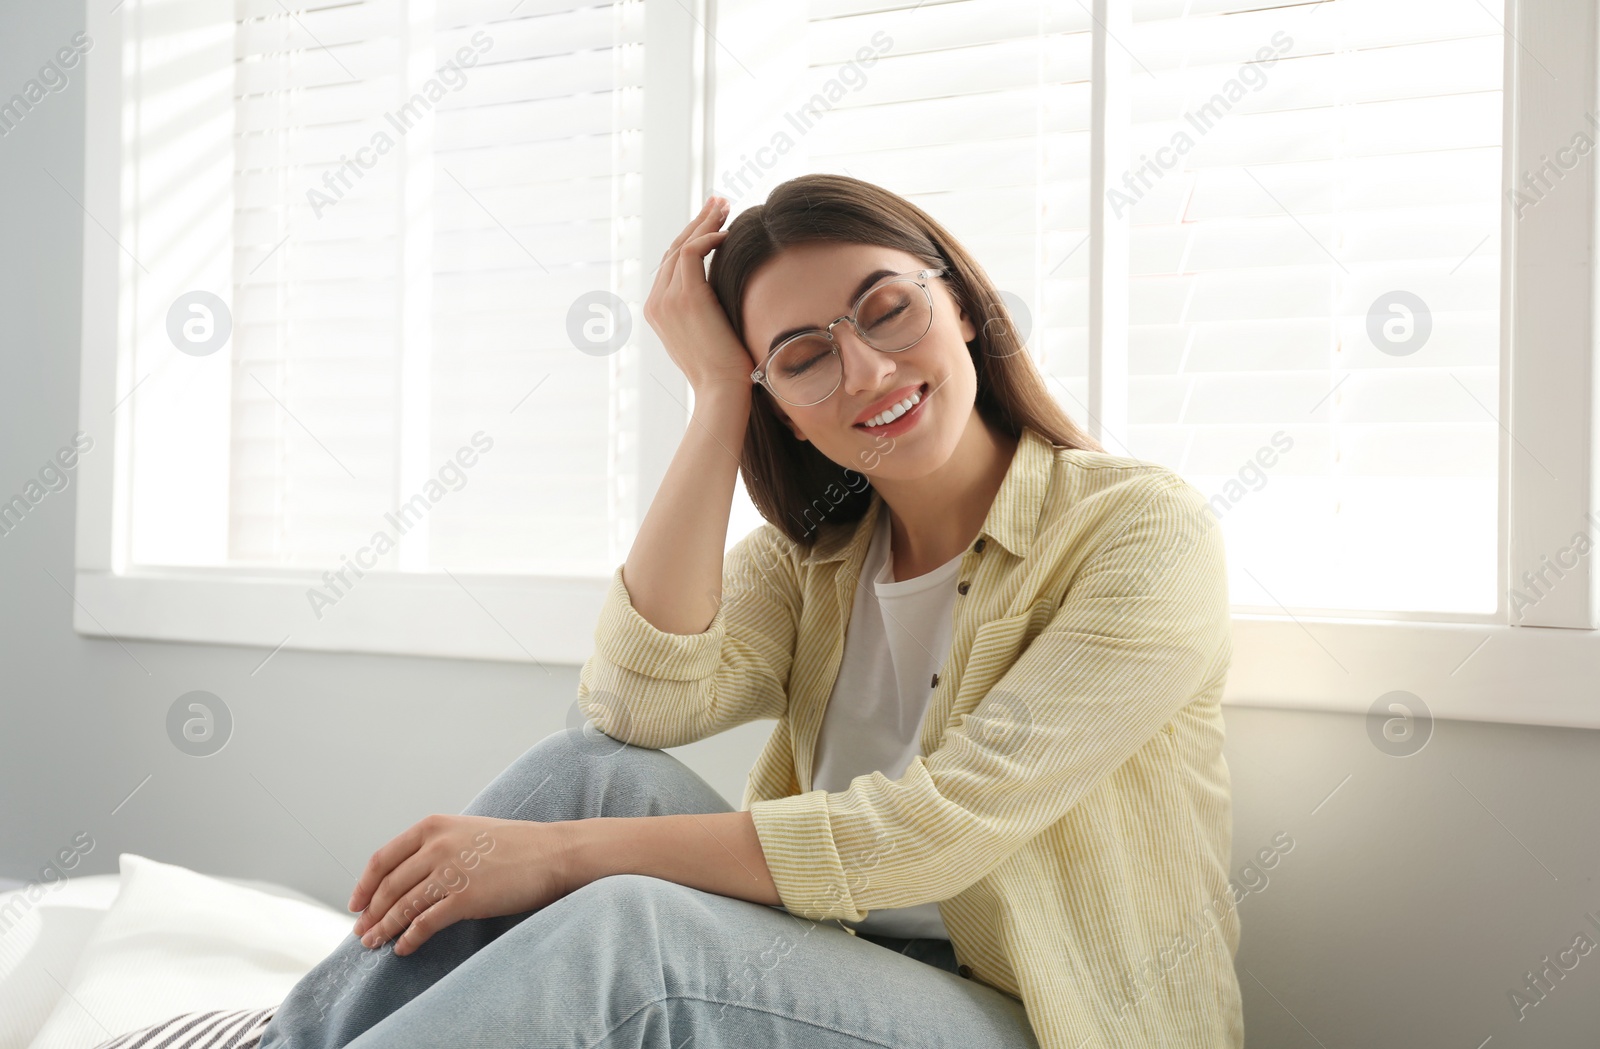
[(808, 285)]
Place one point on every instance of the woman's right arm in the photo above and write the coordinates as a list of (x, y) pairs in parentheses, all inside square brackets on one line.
[(660, 675), (674, 569)]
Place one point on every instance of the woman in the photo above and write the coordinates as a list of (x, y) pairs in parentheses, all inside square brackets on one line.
[(994, 810)]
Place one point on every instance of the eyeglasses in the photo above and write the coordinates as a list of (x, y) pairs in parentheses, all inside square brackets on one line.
[(891, 316)]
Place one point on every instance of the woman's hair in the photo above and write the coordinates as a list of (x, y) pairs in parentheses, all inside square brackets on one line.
[(791, 483)]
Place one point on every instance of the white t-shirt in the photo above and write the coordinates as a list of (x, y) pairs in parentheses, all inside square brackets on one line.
[(898, 638)]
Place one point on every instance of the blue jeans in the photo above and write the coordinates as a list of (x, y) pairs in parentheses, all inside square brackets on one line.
[(631, 960)]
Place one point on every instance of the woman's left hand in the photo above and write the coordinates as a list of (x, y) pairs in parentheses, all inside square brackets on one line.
[(445, 868)]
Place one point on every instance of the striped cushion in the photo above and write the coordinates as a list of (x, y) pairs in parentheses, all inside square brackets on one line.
[(217, 1029)]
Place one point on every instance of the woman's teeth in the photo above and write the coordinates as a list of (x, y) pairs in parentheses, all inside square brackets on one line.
[(890, 414)]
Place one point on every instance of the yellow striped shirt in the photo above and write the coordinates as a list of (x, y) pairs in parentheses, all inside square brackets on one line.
[(1070, 811)]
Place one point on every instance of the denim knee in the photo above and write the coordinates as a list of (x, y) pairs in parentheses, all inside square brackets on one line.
[(631, 906), (575, 761), (585, 747)]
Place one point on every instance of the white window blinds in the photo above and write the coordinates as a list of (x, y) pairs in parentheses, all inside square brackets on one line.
[(428, 203), (1339, 180), (1293, 171), (431, 205)]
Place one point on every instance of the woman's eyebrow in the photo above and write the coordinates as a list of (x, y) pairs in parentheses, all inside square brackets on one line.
[(866, 282)]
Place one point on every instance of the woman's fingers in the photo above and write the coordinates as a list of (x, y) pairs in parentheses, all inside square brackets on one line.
[(382, 862), (683, 234), (684, 312), (710, 211), (405, 893), (705, 222), (422, 911), (440, 915), (691, 262), (692, 258)]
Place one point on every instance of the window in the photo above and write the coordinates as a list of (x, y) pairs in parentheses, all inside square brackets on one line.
[(374, 346), (1325, 260)]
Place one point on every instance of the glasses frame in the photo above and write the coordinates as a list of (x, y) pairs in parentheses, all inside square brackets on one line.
[(917, 277)]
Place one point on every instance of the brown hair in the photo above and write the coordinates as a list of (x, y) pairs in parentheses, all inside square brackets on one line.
[(788, 479)]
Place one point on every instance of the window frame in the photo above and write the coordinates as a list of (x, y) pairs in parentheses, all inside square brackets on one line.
[(1472, 667), (519, 618)]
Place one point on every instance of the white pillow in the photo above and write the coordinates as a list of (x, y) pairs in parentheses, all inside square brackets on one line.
[(177, 941), (43, 929)]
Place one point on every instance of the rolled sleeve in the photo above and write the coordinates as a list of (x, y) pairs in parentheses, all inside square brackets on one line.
[(1143, 630), (652, 688), (629, 641), (796, 835)]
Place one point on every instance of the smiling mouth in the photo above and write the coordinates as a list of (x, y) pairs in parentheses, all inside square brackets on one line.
[(922, 396)]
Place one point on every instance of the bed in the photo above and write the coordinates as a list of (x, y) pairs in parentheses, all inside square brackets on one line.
[(157, 955)]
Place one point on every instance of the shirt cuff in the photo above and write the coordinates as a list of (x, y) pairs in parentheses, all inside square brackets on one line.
[(628, 640), (796, 838)]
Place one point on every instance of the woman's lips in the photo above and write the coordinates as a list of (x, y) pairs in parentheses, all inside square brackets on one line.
[(922, 398)]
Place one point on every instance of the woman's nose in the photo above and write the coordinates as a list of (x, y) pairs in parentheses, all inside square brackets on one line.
[(864, 367)]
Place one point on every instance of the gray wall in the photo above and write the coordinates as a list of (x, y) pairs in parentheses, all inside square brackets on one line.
[(1415, 897)]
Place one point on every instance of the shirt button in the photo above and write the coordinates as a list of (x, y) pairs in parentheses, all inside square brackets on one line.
[(964, 971), (935, 683), (963, 587), (979, 545)]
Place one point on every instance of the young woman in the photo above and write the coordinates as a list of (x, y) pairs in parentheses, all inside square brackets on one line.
[(994, 810)]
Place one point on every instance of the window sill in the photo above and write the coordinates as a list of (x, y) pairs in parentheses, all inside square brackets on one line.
[(1520, 675), (1463, 671), (544, 620)]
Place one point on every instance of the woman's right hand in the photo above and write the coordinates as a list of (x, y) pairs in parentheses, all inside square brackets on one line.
[(685, 313)]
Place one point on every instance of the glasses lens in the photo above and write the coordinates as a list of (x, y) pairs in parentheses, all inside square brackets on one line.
[(804, 371), (895, 315)]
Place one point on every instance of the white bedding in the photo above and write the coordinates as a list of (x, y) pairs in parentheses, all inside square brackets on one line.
[(87, 959)]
